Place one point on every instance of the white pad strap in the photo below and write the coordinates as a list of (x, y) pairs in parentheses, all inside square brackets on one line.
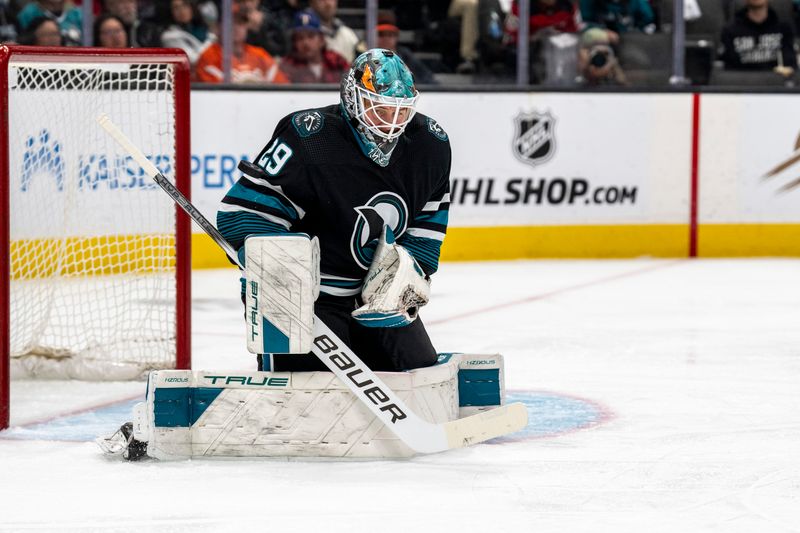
[(282, 283), (394, 289)]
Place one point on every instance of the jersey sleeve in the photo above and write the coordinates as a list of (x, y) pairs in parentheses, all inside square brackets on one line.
[(425, 234), (271, 203)]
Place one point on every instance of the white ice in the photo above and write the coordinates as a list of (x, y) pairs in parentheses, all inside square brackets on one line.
[(696, 362)]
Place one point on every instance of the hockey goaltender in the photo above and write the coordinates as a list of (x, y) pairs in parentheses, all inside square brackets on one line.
[(337, 226)]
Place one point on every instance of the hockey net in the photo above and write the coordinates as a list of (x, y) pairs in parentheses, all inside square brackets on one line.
[(95, 268)]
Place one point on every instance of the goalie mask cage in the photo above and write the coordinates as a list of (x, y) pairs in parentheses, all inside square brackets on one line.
[(94, 268)]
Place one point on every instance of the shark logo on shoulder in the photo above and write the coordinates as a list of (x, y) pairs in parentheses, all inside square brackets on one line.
[(308, 123)]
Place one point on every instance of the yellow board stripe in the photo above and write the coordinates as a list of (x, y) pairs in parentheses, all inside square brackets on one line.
[(92, 256), (521, 242), (524, 242), (120, 254), (748, 240), (206, 253)]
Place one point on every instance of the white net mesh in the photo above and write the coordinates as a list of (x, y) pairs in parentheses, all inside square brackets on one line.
[(92, 251)]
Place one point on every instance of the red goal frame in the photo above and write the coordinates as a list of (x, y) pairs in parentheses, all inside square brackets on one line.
[(182, 176)]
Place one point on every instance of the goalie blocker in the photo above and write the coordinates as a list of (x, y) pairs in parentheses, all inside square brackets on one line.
[(303, 414), (281, 283)]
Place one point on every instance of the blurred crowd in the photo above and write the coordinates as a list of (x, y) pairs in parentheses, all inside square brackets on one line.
[(570, 42)]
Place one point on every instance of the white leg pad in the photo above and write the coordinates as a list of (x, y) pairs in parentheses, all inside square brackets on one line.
[(302, 414), (275, 414)]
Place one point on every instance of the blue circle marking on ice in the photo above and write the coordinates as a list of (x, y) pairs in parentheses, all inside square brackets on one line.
[(551, 414), (78, 427)]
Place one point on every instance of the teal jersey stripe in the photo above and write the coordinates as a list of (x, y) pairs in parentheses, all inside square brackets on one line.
[(345, 284), (264, 197), (439, 217), (425, 251), (237, 225)]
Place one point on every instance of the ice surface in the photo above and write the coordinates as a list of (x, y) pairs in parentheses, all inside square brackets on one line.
[(692, 365)]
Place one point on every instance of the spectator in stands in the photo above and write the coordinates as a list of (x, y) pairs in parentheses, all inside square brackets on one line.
[(42, 31), (310, 61), (126, 10), (496, 55), (467, 10), (209, 13), (146, 9), (264, 30), (141, 33), (249, 64), (388, 35), (8, 30), (413, 15), (338, 37), (547, 19), (110, 32), (597, 61), (618, 16), (282, 11), (557, 15), (68, 17), (757, 40), (187, 29)]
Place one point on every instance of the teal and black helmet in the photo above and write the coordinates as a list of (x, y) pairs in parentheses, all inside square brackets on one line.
[(379, 99)]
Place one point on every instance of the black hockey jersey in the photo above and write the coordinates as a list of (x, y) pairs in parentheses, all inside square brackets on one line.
[(748, 45), (317, 180)]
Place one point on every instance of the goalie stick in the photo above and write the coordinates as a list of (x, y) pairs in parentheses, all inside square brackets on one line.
[(418, 434)]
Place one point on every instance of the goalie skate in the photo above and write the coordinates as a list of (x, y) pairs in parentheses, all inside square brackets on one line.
[(122, 443)]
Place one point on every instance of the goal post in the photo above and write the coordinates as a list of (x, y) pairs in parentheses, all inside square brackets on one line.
[(94, 259)]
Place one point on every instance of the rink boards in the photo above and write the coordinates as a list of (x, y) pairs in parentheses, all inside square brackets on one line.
[(568, 174)]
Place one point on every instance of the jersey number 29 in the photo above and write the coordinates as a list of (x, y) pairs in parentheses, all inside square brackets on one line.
[(275, 157)]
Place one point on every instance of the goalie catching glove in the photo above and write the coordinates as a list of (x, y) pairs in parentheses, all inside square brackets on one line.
[(394, 289)]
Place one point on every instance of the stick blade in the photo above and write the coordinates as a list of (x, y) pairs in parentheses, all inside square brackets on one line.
[(487, 425)]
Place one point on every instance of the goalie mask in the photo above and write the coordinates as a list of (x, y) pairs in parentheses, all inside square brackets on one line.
[(379, 99)]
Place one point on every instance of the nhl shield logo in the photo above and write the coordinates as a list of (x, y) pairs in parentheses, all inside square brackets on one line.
[(534, 140)]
